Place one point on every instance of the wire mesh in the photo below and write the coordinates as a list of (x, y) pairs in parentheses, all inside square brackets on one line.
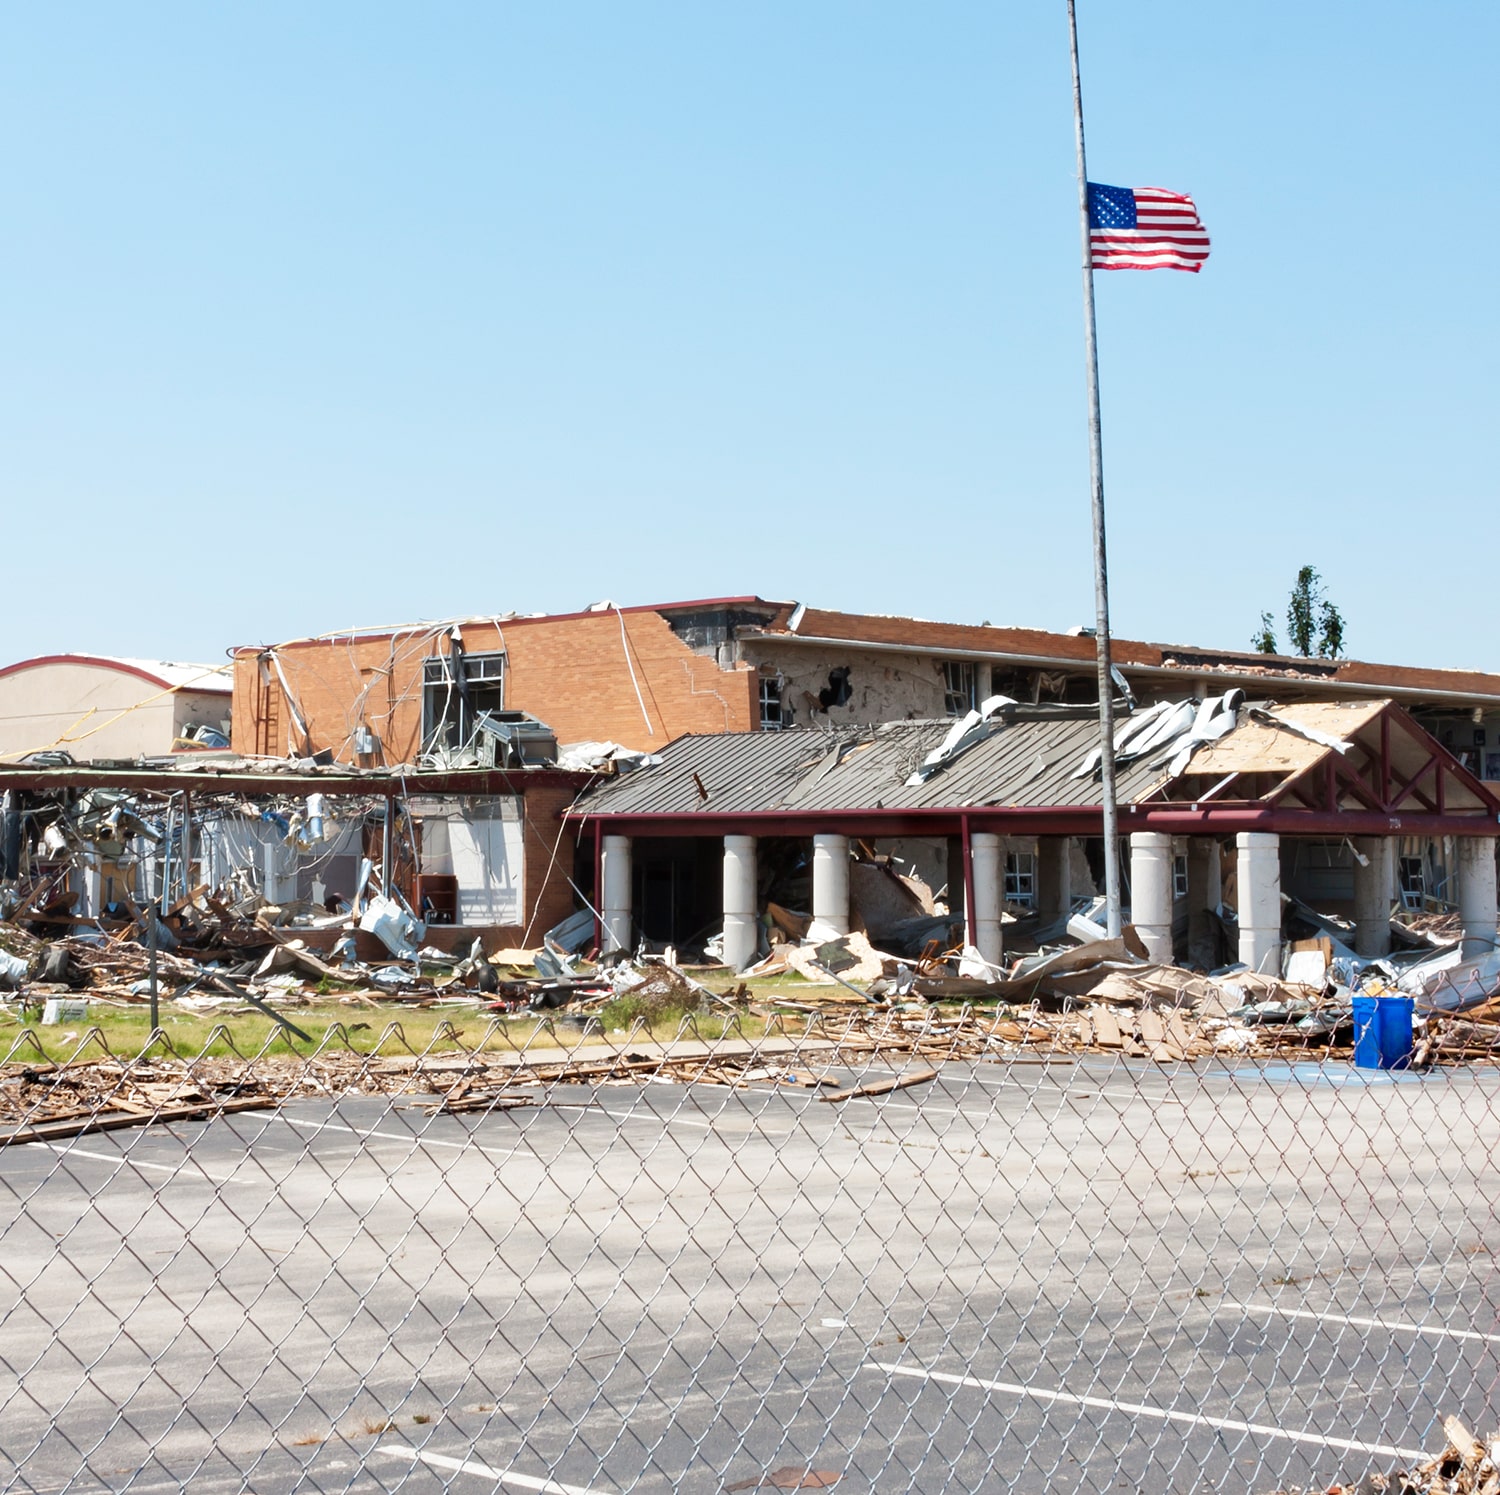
[(550, 1261)]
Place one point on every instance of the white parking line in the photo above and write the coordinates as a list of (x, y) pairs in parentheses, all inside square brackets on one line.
[(1162, 1414), (473, 1466), (193, 1172), (336, 1126), (1271, 1310)]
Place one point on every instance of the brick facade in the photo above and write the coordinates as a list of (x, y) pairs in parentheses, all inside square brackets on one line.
[(569, 671)]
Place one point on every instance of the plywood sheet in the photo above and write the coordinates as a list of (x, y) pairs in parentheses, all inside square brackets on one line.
[(1257, 747)]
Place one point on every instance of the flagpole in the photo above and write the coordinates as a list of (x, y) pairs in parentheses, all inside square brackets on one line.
[(1101, 573)]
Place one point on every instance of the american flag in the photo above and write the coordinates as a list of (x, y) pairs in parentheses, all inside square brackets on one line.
[(1144, 228)]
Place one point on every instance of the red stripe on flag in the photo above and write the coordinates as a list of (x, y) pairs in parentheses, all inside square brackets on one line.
[(1168, 235)]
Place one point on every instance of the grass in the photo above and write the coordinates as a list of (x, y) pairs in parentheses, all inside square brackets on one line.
[(391, 1028)]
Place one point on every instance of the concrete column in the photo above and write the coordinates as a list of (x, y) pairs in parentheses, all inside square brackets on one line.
[(1476, 894), (1205, 893), (983, 926), (1372, 897), (741, 914), (1054, 886), (831, 882), (616, 896), (1258, 872), (1151, 892)]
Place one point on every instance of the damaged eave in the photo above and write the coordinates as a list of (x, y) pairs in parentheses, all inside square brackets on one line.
[(240, 781), (1383, 775)]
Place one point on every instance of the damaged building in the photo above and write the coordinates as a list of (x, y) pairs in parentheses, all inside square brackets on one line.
[(713, 775), (642, 677), (1230, 813), (438, 859)]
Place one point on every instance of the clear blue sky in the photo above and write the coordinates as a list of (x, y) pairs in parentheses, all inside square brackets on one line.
[(329, 315)]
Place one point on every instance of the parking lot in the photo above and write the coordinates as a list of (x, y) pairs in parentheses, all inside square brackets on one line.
[(1031, 1276)]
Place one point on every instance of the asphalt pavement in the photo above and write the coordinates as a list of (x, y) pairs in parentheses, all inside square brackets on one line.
[(1091, 1275)]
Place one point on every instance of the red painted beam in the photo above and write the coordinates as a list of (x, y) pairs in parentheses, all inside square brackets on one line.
[(1409, 786), (970, 917), (1180, 819)]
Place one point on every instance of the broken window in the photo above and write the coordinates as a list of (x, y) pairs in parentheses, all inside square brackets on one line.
[(838, 689), (452, 698), (1413, 881), (1179, 877), (1020, 878), (772, 715), (960, 686)]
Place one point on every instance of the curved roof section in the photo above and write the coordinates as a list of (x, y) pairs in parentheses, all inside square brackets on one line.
[(165, 674)]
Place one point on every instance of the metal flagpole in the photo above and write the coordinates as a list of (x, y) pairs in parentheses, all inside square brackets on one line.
[(1096, 471)]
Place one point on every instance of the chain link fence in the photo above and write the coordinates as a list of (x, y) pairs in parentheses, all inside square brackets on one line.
[(905, 1260)]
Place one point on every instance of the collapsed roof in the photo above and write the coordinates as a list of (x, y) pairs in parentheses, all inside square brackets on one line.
[(1219, 764)]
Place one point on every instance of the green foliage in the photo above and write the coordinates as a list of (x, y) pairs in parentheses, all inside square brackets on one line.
[(652, 1006), (1331, 635), (1264, 638), (1314, 624), (1302, 611)]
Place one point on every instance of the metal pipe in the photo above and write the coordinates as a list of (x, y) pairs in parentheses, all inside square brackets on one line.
[(152, 913), (1096, 491)]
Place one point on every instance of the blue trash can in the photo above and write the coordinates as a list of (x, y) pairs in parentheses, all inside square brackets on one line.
[(1383, 1032)]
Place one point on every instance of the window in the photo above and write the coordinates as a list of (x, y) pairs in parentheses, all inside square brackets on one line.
[(1179, 877), (960, 690), (448, 711), (771, 716), (1020, 878), (1413, 881)]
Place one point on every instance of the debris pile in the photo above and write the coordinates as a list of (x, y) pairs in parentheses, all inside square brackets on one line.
[(1464, 1467)]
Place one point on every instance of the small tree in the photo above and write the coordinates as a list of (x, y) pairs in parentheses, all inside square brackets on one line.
[(1313, 622), (1264, 637), (1302, 611), (1331, 630)]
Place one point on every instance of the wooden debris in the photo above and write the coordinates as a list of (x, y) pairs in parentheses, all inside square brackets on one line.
[(881, 1087), (125, 1113)]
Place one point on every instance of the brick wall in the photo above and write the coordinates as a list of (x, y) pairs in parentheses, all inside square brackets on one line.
[(571, 672), (550, 851)]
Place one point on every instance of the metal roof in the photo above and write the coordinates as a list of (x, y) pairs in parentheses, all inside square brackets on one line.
[(1333, 757), (1021, 763)]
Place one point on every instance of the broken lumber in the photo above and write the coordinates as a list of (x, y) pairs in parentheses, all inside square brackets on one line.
[(881, 1087)]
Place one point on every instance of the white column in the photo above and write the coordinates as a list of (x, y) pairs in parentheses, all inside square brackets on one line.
[(1476, 894), (831, 882), (983, 926), (615, 904), (1258, 869), (1205, 893), (1151, 892), (741, 916), (1372, 897), (1054, 874)]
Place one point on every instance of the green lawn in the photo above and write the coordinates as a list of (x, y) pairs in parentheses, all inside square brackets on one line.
[(391, 1028)]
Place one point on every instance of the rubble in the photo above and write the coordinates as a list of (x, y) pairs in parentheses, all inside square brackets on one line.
[(1465, 1466)]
